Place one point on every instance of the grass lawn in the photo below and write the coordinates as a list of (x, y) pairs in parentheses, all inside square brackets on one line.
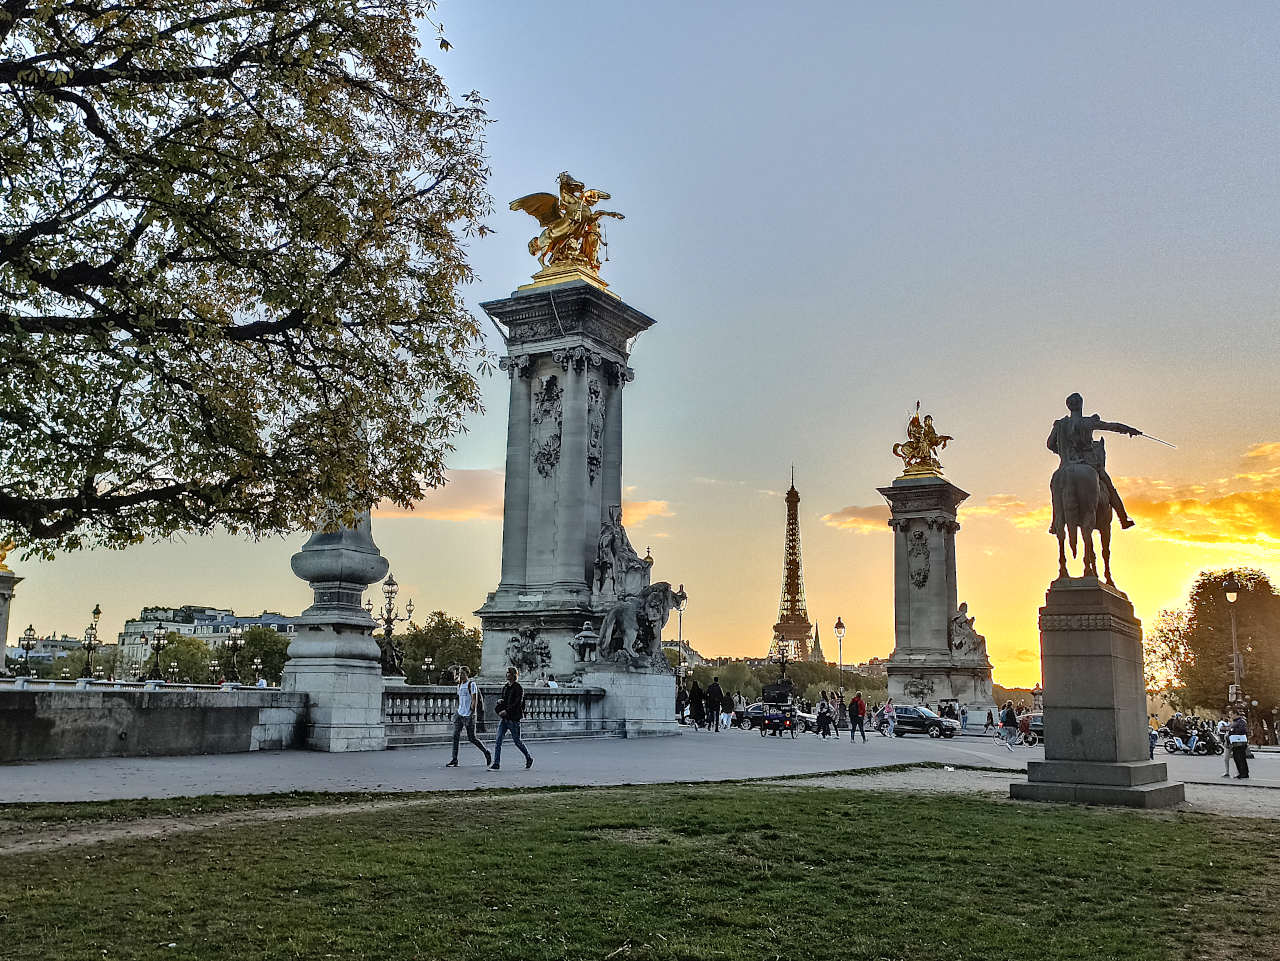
[(739, 872)]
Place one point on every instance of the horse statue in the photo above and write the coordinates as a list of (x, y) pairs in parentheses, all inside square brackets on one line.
[(632, 628), (1081, 509)]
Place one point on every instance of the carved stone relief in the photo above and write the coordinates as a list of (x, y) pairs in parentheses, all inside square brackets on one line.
[(546, 422), (595, 427), (918, 558)]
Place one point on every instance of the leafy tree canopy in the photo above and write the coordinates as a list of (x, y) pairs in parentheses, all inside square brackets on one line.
[(1188, 652), (230, 256), (446, 640)]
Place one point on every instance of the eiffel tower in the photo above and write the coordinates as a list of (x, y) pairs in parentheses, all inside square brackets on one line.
[(793, 628)]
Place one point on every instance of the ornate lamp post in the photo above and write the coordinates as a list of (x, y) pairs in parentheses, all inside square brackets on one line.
[(1232, 590), (173, 672), (840, 629), (387, 618), (91, 642), (426, 668), (28, 644), (235, 641), (213, 669), (159, 641), (257, 669), (684, 602)]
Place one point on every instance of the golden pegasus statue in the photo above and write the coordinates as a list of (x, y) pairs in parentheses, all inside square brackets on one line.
[(918, 453), (572, 236), (6, 548)]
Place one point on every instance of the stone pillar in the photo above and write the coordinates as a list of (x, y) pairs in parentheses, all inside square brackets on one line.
[(924, 666), (515, 521), (8, 581), (333, 658), (571, 482), (1095, 714), (615, 378)]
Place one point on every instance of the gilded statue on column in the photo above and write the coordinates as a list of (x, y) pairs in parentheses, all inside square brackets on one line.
[(919, 451), (572, 236)]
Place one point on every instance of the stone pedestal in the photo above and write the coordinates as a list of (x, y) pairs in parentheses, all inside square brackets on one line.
[(1095, 717), (924, 667), (636, 703), (568, 346), (333, 657)]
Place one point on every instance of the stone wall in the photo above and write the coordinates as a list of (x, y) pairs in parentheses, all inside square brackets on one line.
[(423, 714), (45, 723)]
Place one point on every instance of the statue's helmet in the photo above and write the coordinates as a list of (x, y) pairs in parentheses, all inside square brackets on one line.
[(1075, 402)]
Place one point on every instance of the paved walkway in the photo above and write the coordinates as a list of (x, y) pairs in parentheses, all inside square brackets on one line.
[(592, 761)]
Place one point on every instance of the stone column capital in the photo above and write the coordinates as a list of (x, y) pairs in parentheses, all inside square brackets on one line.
[(517, 365), (576, 358)]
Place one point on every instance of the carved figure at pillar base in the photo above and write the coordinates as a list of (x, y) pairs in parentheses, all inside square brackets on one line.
[(961, 634), (619, 571), (632, 630)]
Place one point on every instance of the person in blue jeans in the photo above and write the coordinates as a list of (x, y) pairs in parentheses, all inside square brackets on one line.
[(510, 710)]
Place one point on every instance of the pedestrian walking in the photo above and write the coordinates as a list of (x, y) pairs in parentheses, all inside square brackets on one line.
[(824, 719), (465, 717), (889, 719), (991, 722), (1223, 730), (510, 710), (1009, 724), (682, 702), (1239, 741), (697, 705), (713, 698), (964, 718), (726, 710), (858, 717)]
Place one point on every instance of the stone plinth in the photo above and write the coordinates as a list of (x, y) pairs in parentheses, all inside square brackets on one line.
[(568, 346), (636, 703), (1095, 718), (333, 657), (924, 667)]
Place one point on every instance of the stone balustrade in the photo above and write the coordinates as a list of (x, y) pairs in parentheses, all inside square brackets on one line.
[(423, 714)]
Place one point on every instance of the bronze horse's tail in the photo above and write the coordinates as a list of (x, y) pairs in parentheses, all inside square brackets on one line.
[(606, 630)]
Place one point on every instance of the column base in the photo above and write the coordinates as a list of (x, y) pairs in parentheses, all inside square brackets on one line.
[(1140, 784)]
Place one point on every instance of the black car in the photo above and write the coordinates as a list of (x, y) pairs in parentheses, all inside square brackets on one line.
[(920, 720)]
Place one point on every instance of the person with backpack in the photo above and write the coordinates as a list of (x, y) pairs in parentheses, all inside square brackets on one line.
[(726, 710), (510, 710), (465, 717)]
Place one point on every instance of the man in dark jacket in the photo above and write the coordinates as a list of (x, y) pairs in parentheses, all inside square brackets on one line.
[(510, 710), (714, 696), (858, 717)]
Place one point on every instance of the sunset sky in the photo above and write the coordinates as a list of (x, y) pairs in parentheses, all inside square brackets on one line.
[(834, 210)]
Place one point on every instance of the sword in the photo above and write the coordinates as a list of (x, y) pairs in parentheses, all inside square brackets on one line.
[(1157, 440)]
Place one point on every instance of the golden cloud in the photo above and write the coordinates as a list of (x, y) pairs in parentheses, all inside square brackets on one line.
[(635, 513), (467, 495), (860, 520), (1269, 451)]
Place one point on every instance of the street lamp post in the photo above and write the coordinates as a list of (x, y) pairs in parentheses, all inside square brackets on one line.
[(213, 669), (1232, 589), (28, 644), (159, 641), (91, 642), (426, 668), (235, 641), (684, 602), (387, 618), (840, 629), (173, 672), (257, 669)]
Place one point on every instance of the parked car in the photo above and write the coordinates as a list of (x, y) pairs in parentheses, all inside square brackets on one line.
[(921, 720)]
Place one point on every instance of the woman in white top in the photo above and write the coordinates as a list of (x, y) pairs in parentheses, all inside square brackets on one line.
[(888, 715), (465, 717)]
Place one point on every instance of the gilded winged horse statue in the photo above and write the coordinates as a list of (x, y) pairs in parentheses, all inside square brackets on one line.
[(571, 235)]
